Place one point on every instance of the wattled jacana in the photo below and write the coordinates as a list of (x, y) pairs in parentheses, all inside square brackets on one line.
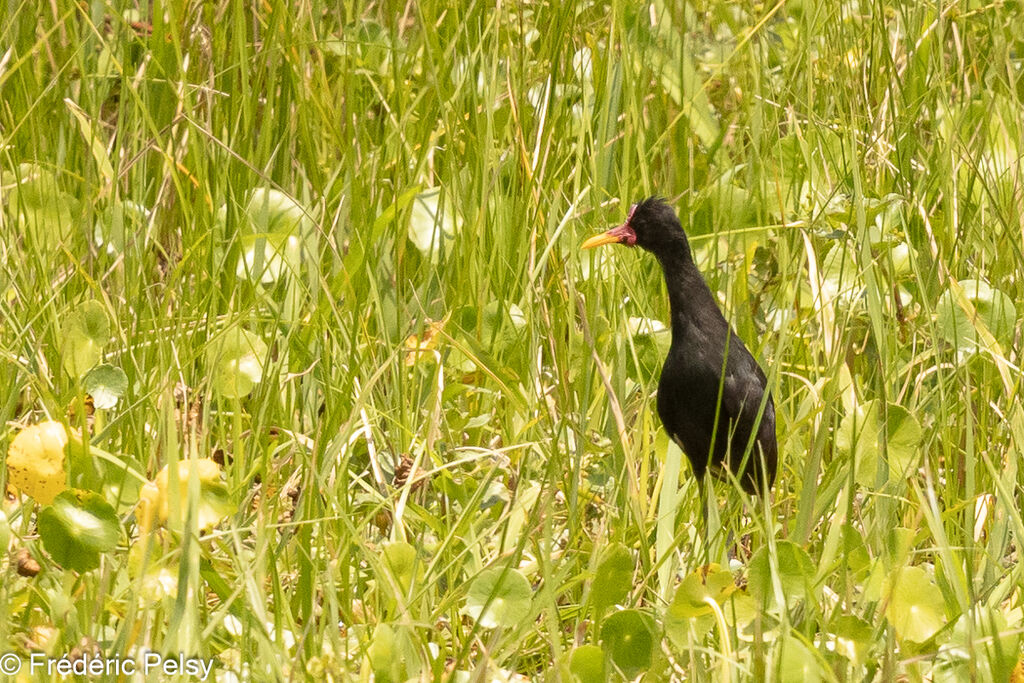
[(711, 390)]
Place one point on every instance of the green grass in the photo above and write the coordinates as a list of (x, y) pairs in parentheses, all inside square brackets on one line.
[(842, 170)]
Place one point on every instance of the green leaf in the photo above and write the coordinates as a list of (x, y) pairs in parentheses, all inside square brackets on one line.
[(795, 572), (381, 651), (652, 339), (861, 434), (587, 664), (995, 310), (404, 564), (41, 211), (237, 363), (614, 578), (851, 637), (855, 552), (628, 639), (81, 466), (272, 212), (121, 224), (915, 608), (106, 384), (691, 597), (392, 209), (118, 478), (902, 257), (903, 435), (272, 232), (983, 647), (432, 223), (84, 332), (730, 204), (681, 81), (797, 663), (367, 45), (77, 528), (500, 324), (841, 279), (899, 543), (499, 598), (690, 614)]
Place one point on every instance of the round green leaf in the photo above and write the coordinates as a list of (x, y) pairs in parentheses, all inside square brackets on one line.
[(614, 578), (367, 44), (43, 212), (851, 637), (500, 324), (628, 638), (106, 384), (587, 663), (652, 339), (277, 226), (272, 212), (797, 663), (691, 615), (903, 435), (728, 200), (861, 434), (272, 230), (855, 552), (902, 256), (77, 528), (995, 311), (121, 224), (915, 609), (81, 464), (266, 258), (983, 647), (690, 600), (795, 572), (840, 276), (237, 363), (405, 566), (83, 333), (499, 598), (431, 223)]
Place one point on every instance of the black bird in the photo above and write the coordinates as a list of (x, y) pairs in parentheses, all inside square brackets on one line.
[(711, 390)]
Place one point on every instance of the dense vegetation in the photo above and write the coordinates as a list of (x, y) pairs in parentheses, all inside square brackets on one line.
[(330, 253)]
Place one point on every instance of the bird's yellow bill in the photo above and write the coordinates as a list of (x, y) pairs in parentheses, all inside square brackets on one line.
[(623, 234), (610, 237)]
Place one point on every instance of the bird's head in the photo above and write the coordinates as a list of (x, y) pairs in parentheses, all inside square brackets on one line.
[(651, 224)]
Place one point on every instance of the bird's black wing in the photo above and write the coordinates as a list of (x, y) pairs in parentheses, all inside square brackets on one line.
[(744, 390), (688, 393)]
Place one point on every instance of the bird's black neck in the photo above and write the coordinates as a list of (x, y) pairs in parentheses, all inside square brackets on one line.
[(688, 294)]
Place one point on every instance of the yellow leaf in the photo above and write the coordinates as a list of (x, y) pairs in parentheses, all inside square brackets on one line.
[(423, 349), (36, 459), (154, 495)]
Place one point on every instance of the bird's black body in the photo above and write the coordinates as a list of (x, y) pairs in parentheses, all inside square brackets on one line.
[(712, 396)]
